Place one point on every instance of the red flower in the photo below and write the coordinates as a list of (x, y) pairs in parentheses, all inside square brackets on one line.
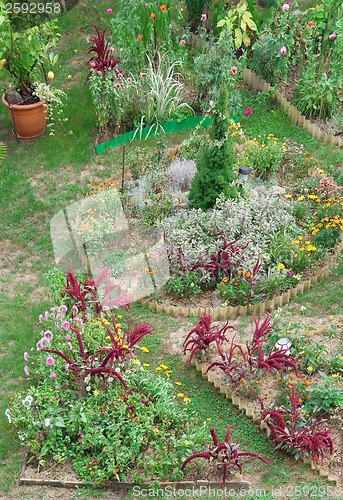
[(163, 7), (132, 415), (152, 15), (310, 24)]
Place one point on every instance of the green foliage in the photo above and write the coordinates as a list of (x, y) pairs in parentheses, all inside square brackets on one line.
[(195, 9), (264, 157), (186, 285), (161, 205), (239, 23), (214, 174), (315, 94), (190, 148), (116, 261)]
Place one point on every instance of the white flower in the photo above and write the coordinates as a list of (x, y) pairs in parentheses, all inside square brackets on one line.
[(47, 422), (117, 369), (27, 401), (303, 308), (87, 379), (88, 388), (7, 413), (110, 379), (20, 437), (128, 371)]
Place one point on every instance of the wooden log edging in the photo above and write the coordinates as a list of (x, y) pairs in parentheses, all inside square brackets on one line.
[(236, 484), (258, 83), (224, 313), (212, 378)]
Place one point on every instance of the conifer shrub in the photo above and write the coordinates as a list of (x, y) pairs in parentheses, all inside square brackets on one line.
[(214, 174)]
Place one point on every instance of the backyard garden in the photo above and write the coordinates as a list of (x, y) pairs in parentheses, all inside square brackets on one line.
[(188, 218)]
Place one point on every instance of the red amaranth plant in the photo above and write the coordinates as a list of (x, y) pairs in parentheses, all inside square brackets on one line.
[(84, 294), (104, 59), (255, 358), (225, 455), (296, 434), (203, 334), (101, 362)]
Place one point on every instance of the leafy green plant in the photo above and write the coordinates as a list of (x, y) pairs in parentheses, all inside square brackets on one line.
[(214, 174), (238, 22), (320, 98), (263, 157), (186, 285)]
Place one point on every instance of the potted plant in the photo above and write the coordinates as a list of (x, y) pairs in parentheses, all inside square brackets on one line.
[(22, 55)]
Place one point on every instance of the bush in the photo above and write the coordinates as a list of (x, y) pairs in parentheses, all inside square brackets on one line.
[(188, 284), (215, 166)]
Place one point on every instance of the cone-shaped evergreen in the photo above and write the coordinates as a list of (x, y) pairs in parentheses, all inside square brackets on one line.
[(215, 166)]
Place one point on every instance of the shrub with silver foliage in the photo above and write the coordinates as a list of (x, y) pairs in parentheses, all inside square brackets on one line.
[(180, 174)]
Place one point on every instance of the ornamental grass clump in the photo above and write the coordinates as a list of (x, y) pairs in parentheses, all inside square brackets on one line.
[(226, 456)]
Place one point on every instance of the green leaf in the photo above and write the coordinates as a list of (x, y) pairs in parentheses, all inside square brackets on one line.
[(83, 418), (221, 23), (238, 38), (59, 422), (329, 96), (250, 22), (243, 25), (2, 18), (44, 449)]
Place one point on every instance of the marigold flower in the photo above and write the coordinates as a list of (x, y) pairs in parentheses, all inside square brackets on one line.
[(309, 368), (152, 15)]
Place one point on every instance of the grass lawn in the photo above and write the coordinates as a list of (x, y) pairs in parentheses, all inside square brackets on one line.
[(41, 177)]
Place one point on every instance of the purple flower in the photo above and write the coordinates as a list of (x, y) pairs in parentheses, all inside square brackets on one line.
[(26, 370), (52, 375), (109, 11), (65, 325), (283, 51), (50, 361), (25, 356), (285, 6), (248, 111)]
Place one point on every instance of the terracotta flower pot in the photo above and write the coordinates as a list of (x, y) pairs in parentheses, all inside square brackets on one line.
[(30, 119)]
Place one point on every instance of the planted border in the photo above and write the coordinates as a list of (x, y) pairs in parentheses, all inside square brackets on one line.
[(118, 486), (258, 83), (212, 378)]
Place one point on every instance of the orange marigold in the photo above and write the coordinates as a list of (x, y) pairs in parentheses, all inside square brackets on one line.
[(152, 15)]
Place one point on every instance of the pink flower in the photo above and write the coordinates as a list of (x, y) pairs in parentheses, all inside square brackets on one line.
[(52, 375), (248, 111), (99, 72), (56, 387), (183, 42), (246, 42), (118, 85), (66, 324), (92, 64), (129, 80), (283, 51), (285, 6), (50, 361), (111, 49), (203, 17), (70, 346), (109, 11), (120, 75), (26, 370), (68, 337), (25, 356), (92, 70), (332, 36), (233, 71)]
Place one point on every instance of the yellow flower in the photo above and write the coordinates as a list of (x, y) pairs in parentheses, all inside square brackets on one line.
[(320, 171), (297, 242), (186, 400), (335, 375), (108, 337), (307, 242), (302, 249), (341, 358), (300, 237), (288, 196), (156, 431), (178, 383), (300, 199), (164, 367), (281, 266), (119, 316), (180, 394), (146, 364), (158, 368), (96, 392), (295, 255), (330, 317), (144, 349), (208, 419), (186, 442), (309, 368), (135, 361)]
